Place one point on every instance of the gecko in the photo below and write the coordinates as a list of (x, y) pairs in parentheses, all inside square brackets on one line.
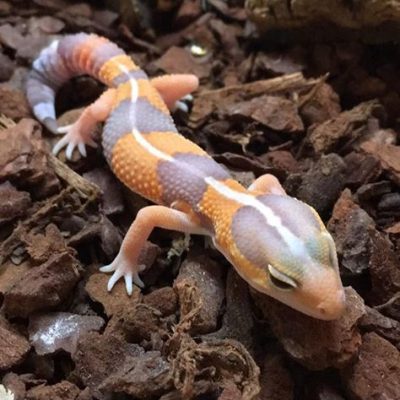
[(278, 244)]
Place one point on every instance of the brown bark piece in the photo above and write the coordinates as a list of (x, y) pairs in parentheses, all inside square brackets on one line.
[(199, 284), (314, 343), (97, 228), (50, 24), (163, 299), (321, 185), (61, 391), (274, 112), (322, 105), (361, 169), (231, 392), (376, 372), (282, 160), (384, 270), (277, 63), (276, 381), (347, 126), (118, 298), (350, 227), (187, 12), (23, 159), (43, 287), (13, 203), (231, 362), (98, 356), (110, 187), (178, 60), (220, 100), (112, 302), (144, 376), (10, 36), (10, 274), (15, 105), (137, 324), (318, 20), (7, 67), (15, 384), (395, 228), (238, 321), (41, 247), (388, 328), (388, 155), (13, 345)]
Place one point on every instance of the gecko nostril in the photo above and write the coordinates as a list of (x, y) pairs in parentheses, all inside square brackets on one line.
[(332, 307), (322, 310)]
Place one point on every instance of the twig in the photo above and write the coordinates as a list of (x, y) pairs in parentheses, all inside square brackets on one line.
[(393, 299), (85, 188)]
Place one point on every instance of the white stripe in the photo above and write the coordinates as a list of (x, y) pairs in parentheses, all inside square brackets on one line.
[(151, 149), (132, 81), (295, 244), (136, 134)]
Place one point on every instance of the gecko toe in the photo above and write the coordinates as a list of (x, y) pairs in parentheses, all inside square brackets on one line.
[(117, 275), (137, 280), (69, 151), (107, 268), (128, 283), (188, 97), (182, 106), (82, 149), (59, 146), (61, 130)]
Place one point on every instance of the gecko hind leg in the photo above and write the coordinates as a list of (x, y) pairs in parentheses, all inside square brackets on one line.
[(80, 133), (125, 264), (175, 89), (268, 184)]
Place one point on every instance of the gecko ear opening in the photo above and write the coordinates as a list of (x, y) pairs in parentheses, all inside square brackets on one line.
[(280, 280)]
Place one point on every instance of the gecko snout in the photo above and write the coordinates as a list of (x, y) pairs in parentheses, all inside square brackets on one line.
[(332, 307)]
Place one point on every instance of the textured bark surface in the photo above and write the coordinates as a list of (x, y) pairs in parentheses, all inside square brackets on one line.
[(372, 20)]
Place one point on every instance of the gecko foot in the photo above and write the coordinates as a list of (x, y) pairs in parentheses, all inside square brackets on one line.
[(122, 268), (75, 136)]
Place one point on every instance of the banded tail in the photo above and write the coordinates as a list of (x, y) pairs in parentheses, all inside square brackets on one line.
[(71, 56)]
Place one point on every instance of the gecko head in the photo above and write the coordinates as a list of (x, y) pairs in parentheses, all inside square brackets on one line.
[(281, 247)]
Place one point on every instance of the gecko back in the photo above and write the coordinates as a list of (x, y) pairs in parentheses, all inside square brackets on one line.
[(140, 141)]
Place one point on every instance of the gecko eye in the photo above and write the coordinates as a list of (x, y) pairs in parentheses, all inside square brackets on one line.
[(280, 280), (332, 255)]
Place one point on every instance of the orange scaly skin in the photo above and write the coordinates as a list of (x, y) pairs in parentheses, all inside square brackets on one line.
[(276, 243)]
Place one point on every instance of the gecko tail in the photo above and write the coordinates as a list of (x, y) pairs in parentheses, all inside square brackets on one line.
[(63, 59)]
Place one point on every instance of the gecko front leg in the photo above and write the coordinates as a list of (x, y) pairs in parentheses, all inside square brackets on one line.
[(80, 133), (173, 88), (126, 263)]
